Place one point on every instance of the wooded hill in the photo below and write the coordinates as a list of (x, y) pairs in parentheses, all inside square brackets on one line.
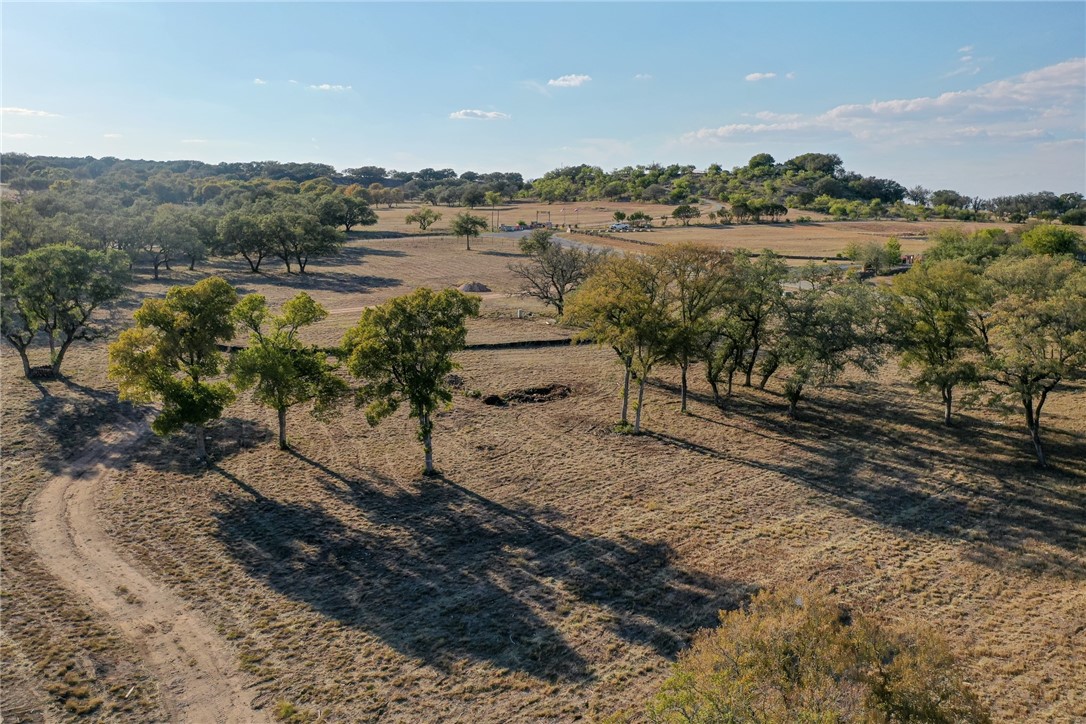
[(811, 181)]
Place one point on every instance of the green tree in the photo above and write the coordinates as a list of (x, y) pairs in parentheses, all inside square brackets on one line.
[(827, 326), (243, 233), (281, 371), (56, 290), (552, 270), (698, 277), (794, 655), (1036, 334), (624, 305), (1052, 239), (402, 351), (619, 216), (467, 226), (933, 325), (756, 304), (424, 217), (299, 237), (685, 212), (172, 352)]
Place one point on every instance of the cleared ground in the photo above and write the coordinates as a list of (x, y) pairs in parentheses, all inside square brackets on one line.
[(821, 238), (557, 567)]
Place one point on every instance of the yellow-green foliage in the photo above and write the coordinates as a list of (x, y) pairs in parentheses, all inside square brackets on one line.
[(794, 655)]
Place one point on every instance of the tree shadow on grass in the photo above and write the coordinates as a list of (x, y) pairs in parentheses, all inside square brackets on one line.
[(72, 416), (318, 279), (226, 437), (441, 573), (875, 459)]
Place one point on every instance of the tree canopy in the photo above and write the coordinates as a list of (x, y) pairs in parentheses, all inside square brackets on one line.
[(172, 352), (402, 352)]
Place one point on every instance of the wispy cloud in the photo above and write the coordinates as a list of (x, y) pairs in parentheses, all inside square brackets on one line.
[(292, 82), (112, 135), (468, 114), (569, 81), (536, 86), (329, 87), (193, 140), (259, 81), (643, 76), (1041, 105), (27, 112), (968, 64), (21, 136), (790, 76), (754, 77)]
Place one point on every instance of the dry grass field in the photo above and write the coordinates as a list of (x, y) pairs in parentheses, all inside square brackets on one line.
[(556, 567), (823, 237)]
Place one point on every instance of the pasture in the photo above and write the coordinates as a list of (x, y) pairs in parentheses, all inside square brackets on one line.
[(822, 237), (556, 567)]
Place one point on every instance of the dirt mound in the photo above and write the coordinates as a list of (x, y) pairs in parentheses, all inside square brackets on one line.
[(474, 287), (529, 394)]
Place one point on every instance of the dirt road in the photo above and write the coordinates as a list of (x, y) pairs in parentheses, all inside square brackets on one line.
[(196, 669)]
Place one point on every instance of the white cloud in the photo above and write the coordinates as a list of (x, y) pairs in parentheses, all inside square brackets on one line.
[(259, 81), (330, 87), (294, 82), (193, 140), (8, 111), (790, 76), (112, 135), (760, 76), (771, 116), (569, 81), (467, 114), (965, 49), (1041, 105), (643, 76), (21, 136)]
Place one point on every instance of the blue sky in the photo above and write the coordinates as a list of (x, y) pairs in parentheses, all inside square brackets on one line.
[(983, 98)]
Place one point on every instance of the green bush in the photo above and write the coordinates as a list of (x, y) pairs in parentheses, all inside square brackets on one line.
[(794, 655)]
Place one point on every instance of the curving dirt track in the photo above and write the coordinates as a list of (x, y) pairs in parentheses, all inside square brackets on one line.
[(196, 669)]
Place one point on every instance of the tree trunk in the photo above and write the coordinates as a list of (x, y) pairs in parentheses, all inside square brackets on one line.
[(948, 402), (467, 238), (25, 360), (716, 390), (731, 377), (792, 402), (626, 394), (1033, 422), (58, 358), (682, 387), (640, 402), (283, 445), (201, 443), (192, 263), (156, 264), (426, 428), (770, 369)]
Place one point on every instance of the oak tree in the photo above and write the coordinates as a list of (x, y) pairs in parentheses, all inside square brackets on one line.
[(402, 351)]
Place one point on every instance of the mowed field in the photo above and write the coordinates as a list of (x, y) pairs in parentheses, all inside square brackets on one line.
[(822, 237), (556, 568)]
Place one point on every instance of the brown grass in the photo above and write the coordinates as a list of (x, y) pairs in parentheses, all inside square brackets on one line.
[(824, 237), (556, 567)]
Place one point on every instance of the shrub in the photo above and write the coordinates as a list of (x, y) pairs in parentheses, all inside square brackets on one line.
[(794, 655)]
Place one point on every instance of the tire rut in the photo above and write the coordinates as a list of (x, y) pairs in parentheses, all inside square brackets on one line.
[(196, 670)]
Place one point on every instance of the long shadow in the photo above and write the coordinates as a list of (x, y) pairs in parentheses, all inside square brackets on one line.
[(226, 437), (323, 280), (441, 573), (74, 416), (844, 449)]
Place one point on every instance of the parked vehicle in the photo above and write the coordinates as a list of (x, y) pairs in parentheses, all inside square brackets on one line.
[(619, 227)]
